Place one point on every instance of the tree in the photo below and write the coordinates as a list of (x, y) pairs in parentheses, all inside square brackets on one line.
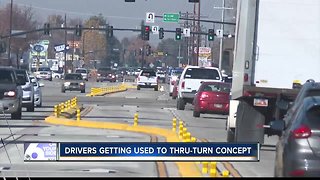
[(170, 47)]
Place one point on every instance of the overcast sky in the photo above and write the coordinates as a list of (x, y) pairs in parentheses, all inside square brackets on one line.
[(121, 14)]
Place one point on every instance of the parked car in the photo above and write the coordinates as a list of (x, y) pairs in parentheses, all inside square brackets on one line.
[(212, 97), (37, 91), (190, 81), (11, 96), (84, 72), (73, 82), (147, 78), (28, 90), (106, 74), (298, 149)]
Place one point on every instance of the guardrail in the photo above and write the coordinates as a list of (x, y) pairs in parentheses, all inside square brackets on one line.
[(68, 108)]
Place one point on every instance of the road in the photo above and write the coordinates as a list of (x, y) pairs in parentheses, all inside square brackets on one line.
[(155, 108)]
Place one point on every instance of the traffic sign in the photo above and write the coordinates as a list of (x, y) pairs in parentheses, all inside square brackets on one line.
[(171, 17), (186, 32), (38, 48), (219, 33), (155, 29), (150, 17)]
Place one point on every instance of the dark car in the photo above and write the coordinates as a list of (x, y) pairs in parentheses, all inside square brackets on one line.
[(298, 149), (106, 74), (73, 82), (212, 97)]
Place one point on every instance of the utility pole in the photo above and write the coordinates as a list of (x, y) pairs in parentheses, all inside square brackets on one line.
[(221, 40), (198, 30), (10, 29), (65, 43)]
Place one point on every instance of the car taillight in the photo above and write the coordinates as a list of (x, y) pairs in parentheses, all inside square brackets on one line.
[(302, 131), (297, 172), (182, 85), (10, 94), (203, 96)]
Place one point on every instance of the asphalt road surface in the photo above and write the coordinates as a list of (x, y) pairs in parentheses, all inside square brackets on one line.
[(155, 108)]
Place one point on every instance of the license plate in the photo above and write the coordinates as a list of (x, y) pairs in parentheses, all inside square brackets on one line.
[(217, 105), (260, 102)]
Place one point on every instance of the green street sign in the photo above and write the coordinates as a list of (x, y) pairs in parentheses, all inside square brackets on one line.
[(171, 17)]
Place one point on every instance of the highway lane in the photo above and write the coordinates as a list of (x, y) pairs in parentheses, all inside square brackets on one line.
[(155, 108)]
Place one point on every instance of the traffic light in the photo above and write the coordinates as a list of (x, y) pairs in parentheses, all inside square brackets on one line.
[(46, 29), (178, 33), (148, 52), (110, 32), (211, 35), (78, 30), (161, 33), (145, 33)]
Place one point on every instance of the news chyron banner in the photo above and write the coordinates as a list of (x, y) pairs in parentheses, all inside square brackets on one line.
[(142, 151)]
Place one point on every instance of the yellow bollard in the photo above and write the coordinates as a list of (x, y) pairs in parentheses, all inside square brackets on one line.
[(135, 121), (213, 169), (205, 167), (188, 137), (213, 172), (174, 124), (193, 139), (56, 111), (225, 173), (78, 115), (61, 107)]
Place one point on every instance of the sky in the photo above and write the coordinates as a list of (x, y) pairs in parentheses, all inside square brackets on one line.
[(122, 14)]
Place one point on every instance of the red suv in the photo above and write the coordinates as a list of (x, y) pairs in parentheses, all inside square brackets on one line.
[(212, 97)]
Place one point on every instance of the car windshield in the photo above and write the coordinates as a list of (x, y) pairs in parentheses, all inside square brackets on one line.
[(201, 73), (217, 88), (44, 69), (81, 71), (22, 76), (148, 73), (73, 77), (6, 77)]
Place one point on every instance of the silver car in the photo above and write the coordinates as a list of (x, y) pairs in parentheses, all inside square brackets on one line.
[(37, 91), (28, 91)]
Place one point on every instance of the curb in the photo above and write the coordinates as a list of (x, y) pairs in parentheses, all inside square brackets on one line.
[(186, 169)]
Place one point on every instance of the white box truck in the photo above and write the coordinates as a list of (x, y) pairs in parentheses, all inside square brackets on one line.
[(277, 44)]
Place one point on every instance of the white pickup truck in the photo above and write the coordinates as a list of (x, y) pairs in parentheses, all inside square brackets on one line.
[(190, 81), (147, 78)]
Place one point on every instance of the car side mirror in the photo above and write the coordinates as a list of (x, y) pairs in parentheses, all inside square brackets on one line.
[(277, 125), (21, 82), (41, 85)]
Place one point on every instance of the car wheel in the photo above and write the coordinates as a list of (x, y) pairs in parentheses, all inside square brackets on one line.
[(57, 77), (156, 88), (30, 108), (170, 94), (174, 97), (230, 135), (180, 104), (63, 90), (196, 113), (17, 115), (138, 87), (83, 91)]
